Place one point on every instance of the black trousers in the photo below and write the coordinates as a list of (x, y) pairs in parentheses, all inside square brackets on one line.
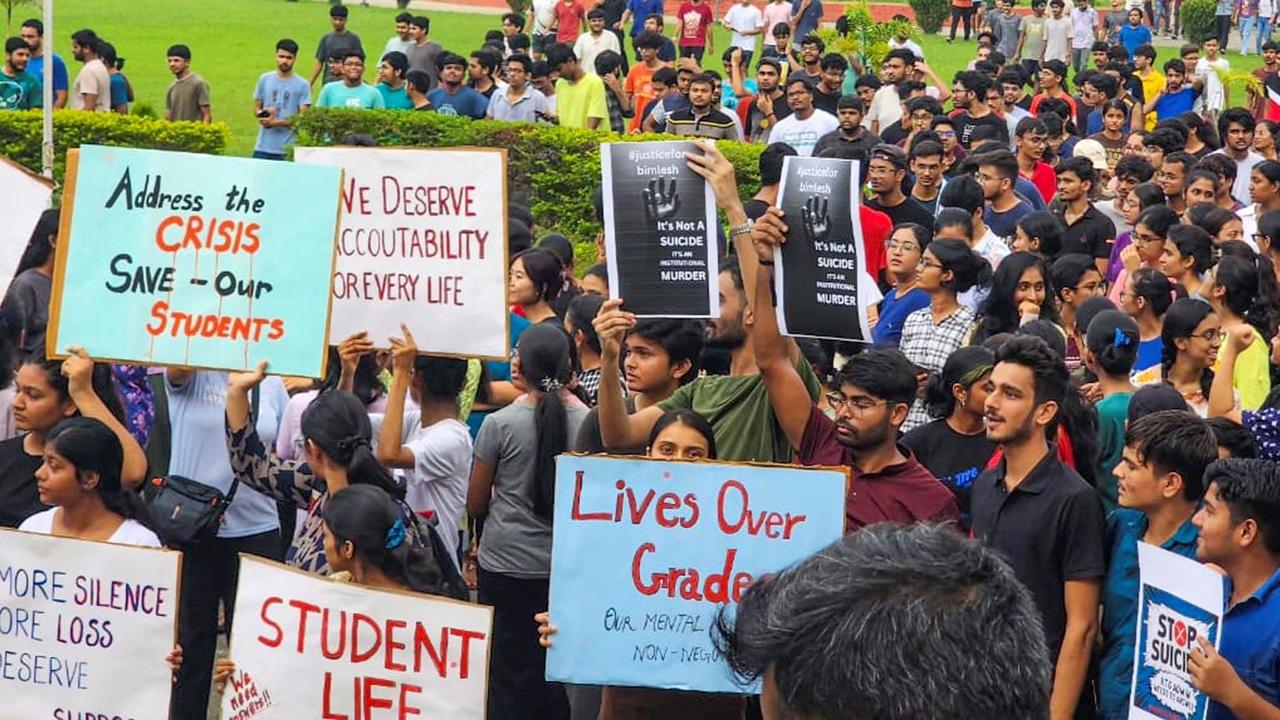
[(1224, 31), (964, 15), (209, 575), (517, 663)]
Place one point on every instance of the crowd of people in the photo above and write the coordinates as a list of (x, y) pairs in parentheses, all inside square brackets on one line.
[(1074, 351)]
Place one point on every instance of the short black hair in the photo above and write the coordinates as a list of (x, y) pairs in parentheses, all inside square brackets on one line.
[(771, 159), (14, 44), (419, 79), (404, 17), (832, 630), (1049, 369), (834, 61), (1233, 437), (516, 20), (559, 54), (447, 58), (867, 81), (680, 339), (1175, 441), (1165, 138), (648, 39), (439, 378), (887, 374), (1250, 488), (34, 24), (397, 60), (1080, 167), (595, 13), (288, 46), (523, 61), (1146, 51), (338, 11), (421, 22), (1134, 166), (962, 192), (813, 39), (607, 62)]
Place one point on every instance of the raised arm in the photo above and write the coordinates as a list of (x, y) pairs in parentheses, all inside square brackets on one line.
[(618, 429), (78, 369), (1222, 393), (391, 451), (252, 462)]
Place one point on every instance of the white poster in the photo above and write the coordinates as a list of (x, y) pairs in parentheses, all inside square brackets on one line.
[(25, 196), (423, 242), (85, 628), (1179, 602), (309, 647)]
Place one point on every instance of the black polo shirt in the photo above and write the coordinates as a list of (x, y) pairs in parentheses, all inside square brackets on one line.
[(1092, 233), (908, 211), (1050, 528)]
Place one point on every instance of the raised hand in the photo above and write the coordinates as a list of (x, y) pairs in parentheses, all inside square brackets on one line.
[(403, 351), (611, 323), (78, 369), (246, 381), (816, 222), (352, 348)]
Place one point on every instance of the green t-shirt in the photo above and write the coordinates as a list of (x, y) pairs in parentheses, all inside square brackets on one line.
[(1033, 46), (1113, 410), (737, 406), (20, 93), (1252, 377), (397, 99), (338, 95)]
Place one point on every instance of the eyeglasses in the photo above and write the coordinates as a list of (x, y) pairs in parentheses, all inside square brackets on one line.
[(1089, 287), (946, 133), (904, 247), (925, 264), (1213, 337), (1259, 238), (1146, 237), (857, 405)]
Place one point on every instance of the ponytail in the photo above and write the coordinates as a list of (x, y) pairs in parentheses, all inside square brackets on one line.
[(378, 528), (546, 365), (337, 422)]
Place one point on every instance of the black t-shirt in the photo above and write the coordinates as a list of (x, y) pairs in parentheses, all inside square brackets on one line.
[(956, 460), (1051, 529), (589, 439), (909, 210), (965, 124), (894, 134), (755, 208), (823, 101), (19, 498)]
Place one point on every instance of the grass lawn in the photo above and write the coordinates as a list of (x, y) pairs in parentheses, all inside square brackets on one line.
[(233, 42)]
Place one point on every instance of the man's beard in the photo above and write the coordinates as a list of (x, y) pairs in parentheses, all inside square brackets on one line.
[(863, 441), (732, 341)]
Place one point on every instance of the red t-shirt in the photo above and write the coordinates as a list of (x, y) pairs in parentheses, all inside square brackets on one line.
[(876, 229), (1045, 180), (569, 18), (697, 22), (906, 492)]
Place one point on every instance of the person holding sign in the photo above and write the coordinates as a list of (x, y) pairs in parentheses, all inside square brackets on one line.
[(80, 480), (1239, 526), (49, 392), (1160, 486), (872, 396), (512, 483)]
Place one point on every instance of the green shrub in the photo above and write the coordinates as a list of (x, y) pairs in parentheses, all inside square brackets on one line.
[(559, 168), (1198, 19), (20, 135), (930, 14)]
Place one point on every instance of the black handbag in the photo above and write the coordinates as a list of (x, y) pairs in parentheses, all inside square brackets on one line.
[(186, 513)]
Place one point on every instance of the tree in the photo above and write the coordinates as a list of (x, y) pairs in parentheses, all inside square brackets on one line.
[(9, 6)]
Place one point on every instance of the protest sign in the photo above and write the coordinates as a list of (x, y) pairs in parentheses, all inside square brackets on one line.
[(659, 230), (423, 241), (168, 258), (25, 197), (1179, 601), (80, 623), (310, 647), (645, 553), (820, 272)]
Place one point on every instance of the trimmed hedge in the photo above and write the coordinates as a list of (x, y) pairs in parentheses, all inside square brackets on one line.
[(20, 135), (1198, 21), (558, 168)]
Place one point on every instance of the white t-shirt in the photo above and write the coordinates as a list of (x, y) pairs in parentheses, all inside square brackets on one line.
[(909, 44), (544, 16), (441, 470), (130, 532), (803, 134), (744, 17), (589, 46), (1244, 170), (1057, 38), (886, 108), (95, 80), (1213, 94)]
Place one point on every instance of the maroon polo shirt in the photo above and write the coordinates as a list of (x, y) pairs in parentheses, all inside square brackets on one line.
[(906, 492)]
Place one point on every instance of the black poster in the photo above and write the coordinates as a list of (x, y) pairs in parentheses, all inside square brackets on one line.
[(660, 230), (820, 272)]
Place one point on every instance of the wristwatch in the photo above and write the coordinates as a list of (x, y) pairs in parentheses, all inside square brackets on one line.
[(743, 229)]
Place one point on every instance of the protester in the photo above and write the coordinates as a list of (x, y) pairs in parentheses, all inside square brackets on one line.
[(188, 96), (278, 97), (1111, 348), (91, 90), (340, 43), (519, 101), (19, 89), (905, 250), (33, 34), (351, 91), (1243, 291), (391, 83)]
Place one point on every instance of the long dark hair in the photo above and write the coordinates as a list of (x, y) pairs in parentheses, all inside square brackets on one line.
[(366, 385), (1250, 290), (39, 248), (967, 267), (546, 366), (338, 423), (92, 447), (688, 418), (100, 381), (1080, 422), (1179, 322), (543, 269), (965, 366), (1195, 243), (1151, 285), (999, 313), (375, 525)]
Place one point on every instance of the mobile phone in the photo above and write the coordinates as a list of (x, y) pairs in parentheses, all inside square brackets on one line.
[(264, 113)]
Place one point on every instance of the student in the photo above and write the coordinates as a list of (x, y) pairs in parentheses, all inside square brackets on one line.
[(425, 54), (578, 323), (1146, 297), (694, 25), (926, 162), (1111, 348), (745, 21), (1075, 280), (997, 173), (702, 118), (1150, 233), (188, 96), (806, 124), (580, 97), (954, 446), (571, 20), (1176, 98), (352, 91), (1020, 293), (970, 96), (280, 95), (339, 43), (91, 90), (1239, 523), (453, 97), (534, 284), (391, 85), (1187, 256), (519, 100), (640, 79), (1191, 336), (1243, 291), (25, 309), (416, 85), (904, 250), (513, 480), (594, 41), (32, 33), (1236, 127), (1030, 141), (1160, 484), (886, 173), (1041, 515), (1038, 233), (930, 335), (1085, 228), (21, 89)]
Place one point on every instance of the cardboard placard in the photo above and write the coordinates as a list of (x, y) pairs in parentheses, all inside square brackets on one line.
[(823, 287), (423, 242), (26, 195), (1179, 600), (645, 553), (659, 230), (79, 621), (309, 647), (169, 258)]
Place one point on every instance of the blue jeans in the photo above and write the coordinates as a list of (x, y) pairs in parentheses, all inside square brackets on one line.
[(1161, 19), (1247, 26), (1264, 32), (1079, 58)]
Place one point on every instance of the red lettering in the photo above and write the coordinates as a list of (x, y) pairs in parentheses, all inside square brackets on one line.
[(370, 702), (164, 225), (358, 619), (692, 501), (277, 329), (576, 513), (159, 311), (464, 657), (405, 708), (423, 641), (725, 527), (303, 609), (637, 513), (195, 224), (342, 636), (329, 714), (279, 634), (666, 503), (635, 571), (392, 645)]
